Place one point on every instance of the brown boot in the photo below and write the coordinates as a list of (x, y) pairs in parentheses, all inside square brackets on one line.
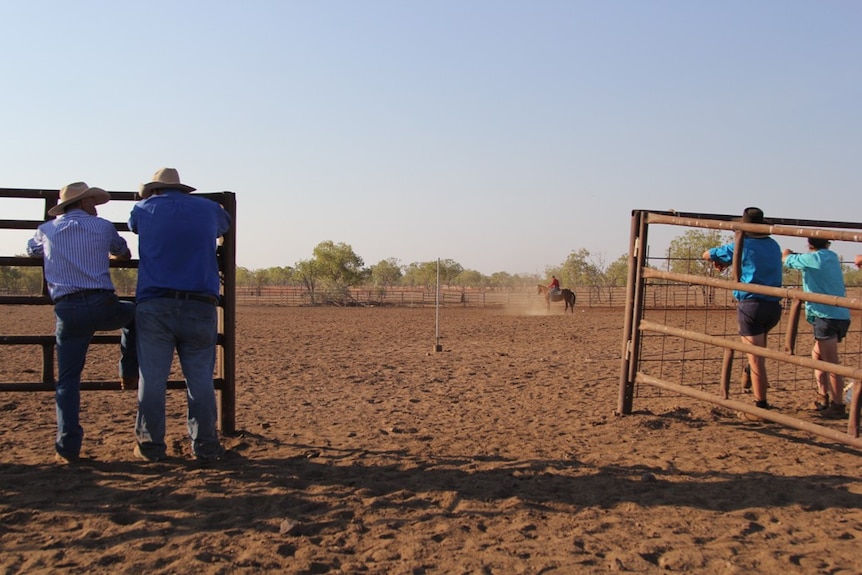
[(129, 382), (834, 411), (819, 404)]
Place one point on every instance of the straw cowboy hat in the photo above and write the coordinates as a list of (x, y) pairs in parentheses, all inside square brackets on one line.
[(76, 192), (164, 178)]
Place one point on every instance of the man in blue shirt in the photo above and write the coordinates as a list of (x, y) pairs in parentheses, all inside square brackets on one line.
[(756, 313), (76, 247), (822, 273), (177, 309)]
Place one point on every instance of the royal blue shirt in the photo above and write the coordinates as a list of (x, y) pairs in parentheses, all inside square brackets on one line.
[(177, 243), (761, 264), (821, 273), (75, 247)]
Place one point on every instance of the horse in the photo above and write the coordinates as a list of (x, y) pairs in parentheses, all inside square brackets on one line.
[(565, 295)]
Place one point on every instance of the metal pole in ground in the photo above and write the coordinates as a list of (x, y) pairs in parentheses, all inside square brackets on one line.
[(437, 346)]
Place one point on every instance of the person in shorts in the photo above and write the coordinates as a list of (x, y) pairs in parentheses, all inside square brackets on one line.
[(822, 273), (756, 313)]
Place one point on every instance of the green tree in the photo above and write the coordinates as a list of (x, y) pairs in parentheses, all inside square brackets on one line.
[(21, 279), (579, 269), (260, 278), (9, 277), (125, 279), (852, 276), (502, 280), (615, 276), (338, 266), (685, 252), (386, 273), (617, 273), (449, 270), (471, 279), (307, 274), (281, 276), (526, 281), (243, 276), (791, 278), (421, 274)]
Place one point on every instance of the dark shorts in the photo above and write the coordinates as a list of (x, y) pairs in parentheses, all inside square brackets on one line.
[(757, 316), (825, 328)]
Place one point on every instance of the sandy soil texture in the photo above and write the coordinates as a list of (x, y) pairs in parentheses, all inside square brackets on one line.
[(362, 450)]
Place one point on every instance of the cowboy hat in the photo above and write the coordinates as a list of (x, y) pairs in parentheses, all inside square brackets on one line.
[(77, 192), (819, 243), (164, 178), (753, 216)]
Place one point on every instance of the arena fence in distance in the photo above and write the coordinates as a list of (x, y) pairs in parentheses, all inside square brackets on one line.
[(420, 297), (670, 296)]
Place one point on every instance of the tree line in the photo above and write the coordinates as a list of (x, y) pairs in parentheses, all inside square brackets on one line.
[(335, 267), (684, 255)]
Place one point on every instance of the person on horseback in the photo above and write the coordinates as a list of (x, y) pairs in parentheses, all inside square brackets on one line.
[(554, 287)]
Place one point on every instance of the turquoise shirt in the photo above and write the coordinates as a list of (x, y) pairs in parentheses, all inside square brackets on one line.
[(821, 273)]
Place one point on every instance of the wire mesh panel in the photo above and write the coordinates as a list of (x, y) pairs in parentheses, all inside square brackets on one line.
[(681, 335)]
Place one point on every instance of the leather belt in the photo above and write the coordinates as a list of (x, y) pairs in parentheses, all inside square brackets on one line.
[(82, 293), (191, 296)]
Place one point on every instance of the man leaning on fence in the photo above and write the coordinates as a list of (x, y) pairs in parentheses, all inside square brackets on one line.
[(177, 295), (76, 247), (756, 313)]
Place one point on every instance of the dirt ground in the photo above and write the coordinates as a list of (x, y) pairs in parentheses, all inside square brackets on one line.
[(363, 450)]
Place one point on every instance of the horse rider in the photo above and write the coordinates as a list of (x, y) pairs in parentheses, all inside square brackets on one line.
[(554, 287)]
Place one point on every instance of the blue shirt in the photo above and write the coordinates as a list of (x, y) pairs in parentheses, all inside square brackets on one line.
[(821, 273), (177, 243), (75, 247), (761, 264)]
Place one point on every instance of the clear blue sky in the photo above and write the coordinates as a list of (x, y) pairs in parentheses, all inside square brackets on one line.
[(503, 135)]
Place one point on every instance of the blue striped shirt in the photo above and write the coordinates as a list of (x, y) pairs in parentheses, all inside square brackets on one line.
[(75, 247)]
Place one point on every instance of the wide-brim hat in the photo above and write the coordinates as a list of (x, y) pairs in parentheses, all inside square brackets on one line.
[(164, 178), (753, 216), (77, 192), (819, 243)]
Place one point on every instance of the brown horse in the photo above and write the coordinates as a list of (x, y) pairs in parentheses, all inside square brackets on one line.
[(565, 295)]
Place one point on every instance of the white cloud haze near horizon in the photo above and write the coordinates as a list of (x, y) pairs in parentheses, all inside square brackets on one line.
[(502, 135)]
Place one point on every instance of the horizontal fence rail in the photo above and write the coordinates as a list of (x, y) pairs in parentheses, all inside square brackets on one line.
[(695, 343), (225, 377)]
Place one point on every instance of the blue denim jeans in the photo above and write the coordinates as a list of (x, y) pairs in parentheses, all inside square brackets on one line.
[(191, 328), (79, 316)]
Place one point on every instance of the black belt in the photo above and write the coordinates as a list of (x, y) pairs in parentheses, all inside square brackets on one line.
[(82, 293), (186, 295)]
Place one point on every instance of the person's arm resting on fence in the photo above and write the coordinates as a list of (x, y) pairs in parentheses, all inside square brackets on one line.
[(718, 257), (36, 245)]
